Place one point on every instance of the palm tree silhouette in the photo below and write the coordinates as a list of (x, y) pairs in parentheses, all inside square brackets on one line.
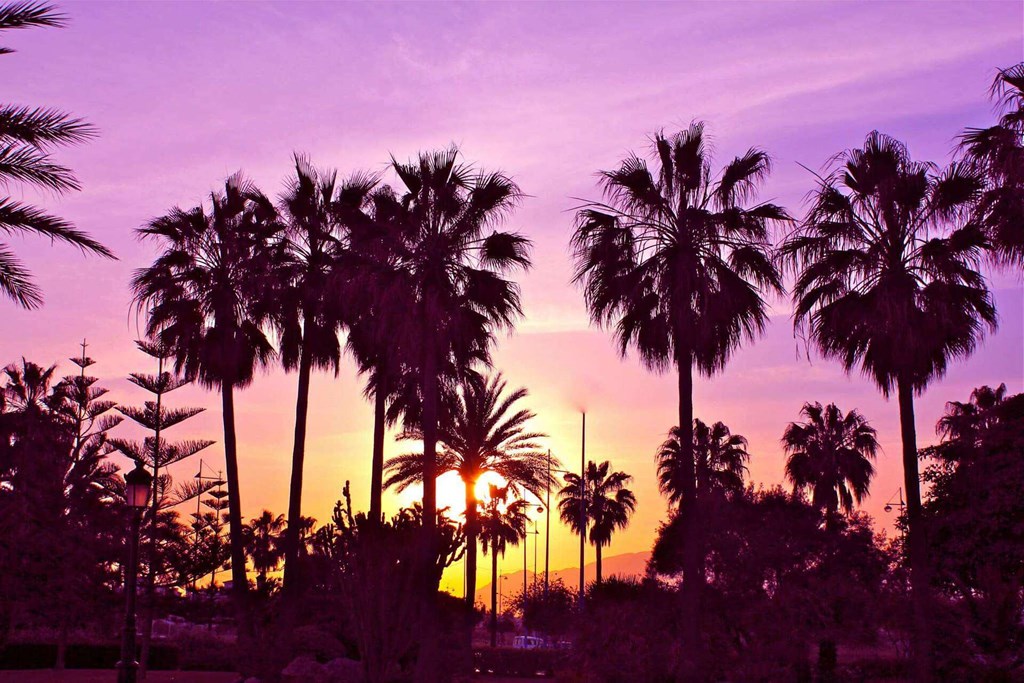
[(27, 135), (606, 503), (721, 461), (484, 432), (207, 296), (879, 288), (998, 152), (831, 454), (315, 211), (967, 422), (263, 538), (453, 270), (679, 262), (501, 524)]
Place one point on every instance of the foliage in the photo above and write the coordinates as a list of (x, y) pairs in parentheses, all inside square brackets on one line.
[(830, 454), (548, 609), (998, 153), (61, 528), (721, 461), (779, 581), (600, 503), (379, 574), (483, 431), (27, 136), (975, 515)]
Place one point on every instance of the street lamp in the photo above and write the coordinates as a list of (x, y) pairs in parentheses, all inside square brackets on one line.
[(137, 488)]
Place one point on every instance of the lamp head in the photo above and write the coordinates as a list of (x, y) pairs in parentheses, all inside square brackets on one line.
[(137, 485)]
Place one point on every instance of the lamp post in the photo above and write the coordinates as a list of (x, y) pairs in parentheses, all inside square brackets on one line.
[(137, 491), (900, 504)]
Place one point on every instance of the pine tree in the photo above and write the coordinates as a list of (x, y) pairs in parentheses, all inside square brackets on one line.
[(159, 454)]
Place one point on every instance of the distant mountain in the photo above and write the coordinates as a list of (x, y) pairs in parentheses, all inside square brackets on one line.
[(627, 564)]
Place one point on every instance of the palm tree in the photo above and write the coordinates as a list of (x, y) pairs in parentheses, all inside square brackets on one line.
[(501, 524), (998, 152), (207, 298), (605, 501), (451, 270), (888, 282), (967, 422), (263, 538), (721, 461), (484, 432), (27, 135), (831, 454), (314, 210), (679, 262)]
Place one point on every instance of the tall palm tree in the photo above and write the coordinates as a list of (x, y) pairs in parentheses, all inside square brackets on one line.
[(207, 299), (315, 209), (263, 538), (998, 152), (501, 524), (484, 432), (887, 281), (679, 261), (721, 461), (831, 454), (605, 501), (27, 135), (451, 265)]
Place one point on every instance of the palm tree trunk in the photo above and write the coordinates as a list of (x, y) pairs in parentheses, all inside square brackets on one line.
[(239, 581), (377, 464), (598, 564), (494, 597), (291, 534), (693, 551), (471, 517), (428, 662), (917, 543)]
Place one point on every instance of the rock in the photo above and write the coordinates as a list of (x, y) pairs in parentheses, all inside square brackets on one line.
[(304, 669), (343, 670)]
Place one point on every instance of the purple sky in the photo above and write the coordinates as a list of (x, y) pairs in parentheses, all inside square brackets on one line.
[(186, 93)]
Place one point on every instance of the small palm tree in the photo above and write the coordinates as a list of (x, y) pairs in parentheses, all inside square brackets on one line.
[(207, 298), (679, 261), (998, 152), (502, 523), (721, 461), (27, 135), (484, 432), (315, 211), (831, 454), (604, 500), (888, 281), (264, 544)]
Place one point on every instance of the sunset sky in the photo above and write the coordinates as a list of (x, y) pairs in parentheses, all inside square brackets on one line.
[(185, 94)]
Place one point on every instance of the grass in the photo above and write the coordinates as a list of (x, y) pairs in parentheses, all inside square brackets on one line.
[(109, 676)]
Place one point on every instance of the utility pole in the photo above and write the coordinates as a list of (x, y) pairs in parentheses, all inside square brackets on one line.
[(547, 528), (583, 506)]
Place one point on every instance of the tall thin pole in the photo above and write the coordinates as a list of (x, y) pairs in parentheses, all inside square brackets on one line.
[(583, 508), (536, 540), (526, 538), (547, 529)]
